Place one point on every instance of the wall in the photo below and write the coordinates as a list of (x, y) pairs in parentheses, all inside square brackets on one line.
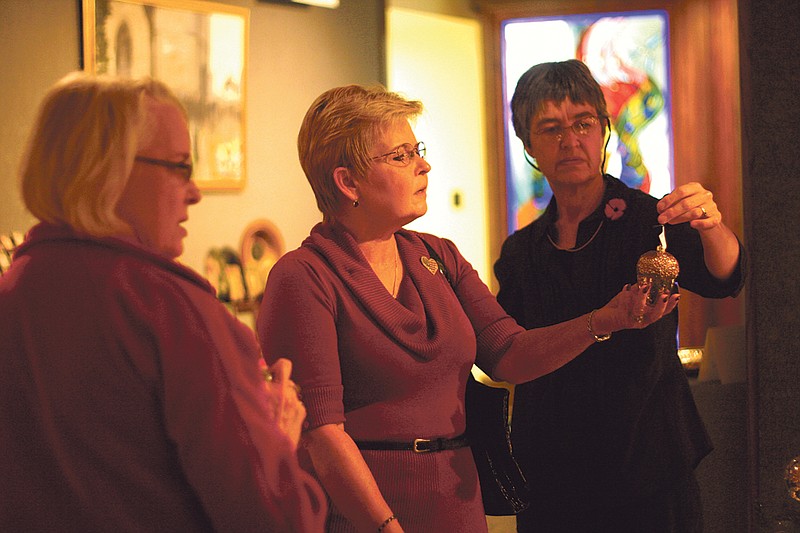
[(770, 77), (39, 40), (453, 8), (439, 60), (295, 54)]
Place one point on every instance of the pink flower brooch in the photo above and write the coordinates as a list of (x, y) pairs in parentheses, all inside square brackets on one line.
[(615, 208)]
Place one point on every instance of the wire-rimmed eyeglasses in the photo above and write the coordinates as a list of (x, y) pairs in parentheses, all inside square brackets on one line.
[(182, 168), (582, 127), (403, 154)]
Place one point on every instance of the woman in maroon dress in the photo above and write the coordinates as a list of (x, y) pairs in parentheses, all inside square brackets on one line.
[(381, 344)]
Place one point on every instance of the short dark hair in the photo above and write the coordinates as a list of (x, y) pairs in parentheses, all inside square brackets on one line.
[(553, 82)]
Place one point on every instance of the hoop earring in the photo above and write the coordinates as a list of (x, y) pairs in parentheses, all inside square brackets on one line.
[(355, 203), (529, 159)]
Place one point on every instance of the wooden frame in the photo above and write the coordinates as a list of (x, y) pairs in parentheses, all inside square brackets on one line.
[(199, 49)]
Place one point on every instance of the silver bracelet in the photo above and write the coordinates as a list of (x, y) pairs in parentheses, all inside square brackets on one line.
[(597, 338)]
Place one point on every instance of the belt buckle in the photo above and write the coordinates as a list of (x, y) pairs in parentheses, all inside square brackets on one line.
[(417, 442)]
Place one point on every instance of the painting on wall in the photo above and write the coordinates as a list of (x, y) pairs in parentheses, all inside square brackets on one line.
[(197, 48), (628, 54)]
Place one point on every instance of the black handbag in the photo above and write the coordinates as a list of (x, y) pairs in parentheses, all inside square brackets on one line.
[(503, 485)]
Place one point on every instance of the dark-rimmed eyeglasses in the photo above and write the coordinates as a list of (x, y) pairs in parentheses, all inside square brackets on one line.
[(182, 168), (582, 127), (403, 154)]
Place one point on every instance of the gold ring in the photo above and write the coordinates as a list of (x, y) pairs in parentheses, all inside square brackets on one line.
[(705, 213)]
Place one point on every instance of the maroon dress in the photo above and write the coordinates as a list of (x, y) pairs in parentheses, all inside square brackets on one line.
[(389, 369)]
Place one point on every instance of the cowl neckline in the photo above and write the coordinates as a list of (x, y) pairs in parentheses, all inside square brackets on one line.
[(418, 318)]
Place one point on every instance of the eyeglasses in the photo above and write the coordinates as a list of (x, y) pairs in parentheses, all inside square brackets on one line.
[(184, 169), (403, 154), (582, 127)]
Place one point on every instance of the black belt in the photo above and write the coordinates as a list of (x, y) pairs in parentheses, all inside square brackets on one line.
[(416, 446)]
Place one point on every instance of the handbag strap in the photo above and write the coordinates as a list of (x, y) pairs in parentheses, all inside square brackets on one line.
[(504, 488)]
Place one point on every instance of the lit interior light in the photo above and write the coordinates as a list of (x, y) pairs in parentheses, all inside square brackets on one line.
[(332, 4)]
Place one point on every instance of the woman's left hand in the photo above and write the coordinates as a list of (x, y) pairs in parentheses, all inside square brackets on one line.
[(285, 398), (629, 309), (691, 203)]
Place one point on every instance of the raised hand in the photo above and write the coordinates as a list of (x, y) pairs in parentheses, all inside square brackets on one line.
[(691, 203)]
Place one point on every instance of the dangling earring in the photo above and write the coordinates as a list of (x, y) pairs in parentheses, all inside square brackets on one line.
[(605, 147), (355, 203), (529, 159)]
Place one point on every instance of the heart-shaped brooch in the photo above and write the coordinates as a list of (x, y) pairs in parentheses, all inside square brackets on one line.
[(430, 264)]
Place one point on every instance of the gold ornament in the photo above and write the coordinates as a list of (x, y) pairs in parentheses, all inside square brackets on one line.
[(658, 269)]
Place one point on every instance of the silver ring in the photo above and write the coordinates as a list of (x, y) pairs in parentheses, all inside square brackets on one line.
[(705, 213)]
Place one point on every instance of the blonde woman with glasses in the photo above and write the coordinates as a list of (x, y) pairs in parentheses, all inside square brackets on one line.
[(382, 343), (130, 398)]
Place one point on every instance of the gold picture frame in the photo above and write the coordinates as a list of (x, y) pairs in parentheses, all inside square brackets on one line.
[(199, 49)]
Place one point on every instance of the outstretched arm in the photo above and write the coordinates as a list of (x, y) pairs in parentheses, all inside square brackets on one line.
[(539, 351)]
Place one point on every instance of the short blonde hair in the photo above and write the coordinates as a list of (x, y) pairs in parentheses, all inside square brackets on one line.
[(339, 130), (82, 147)]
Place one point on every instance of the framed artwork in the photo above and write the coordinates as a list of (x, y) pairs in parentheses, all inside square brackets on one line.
[(628, 54), (199, 49)]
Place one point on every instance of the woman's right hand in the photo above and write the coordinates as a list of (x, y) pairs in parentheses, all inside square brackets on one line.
[(629, 310), (345, 476), (284, 395)]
